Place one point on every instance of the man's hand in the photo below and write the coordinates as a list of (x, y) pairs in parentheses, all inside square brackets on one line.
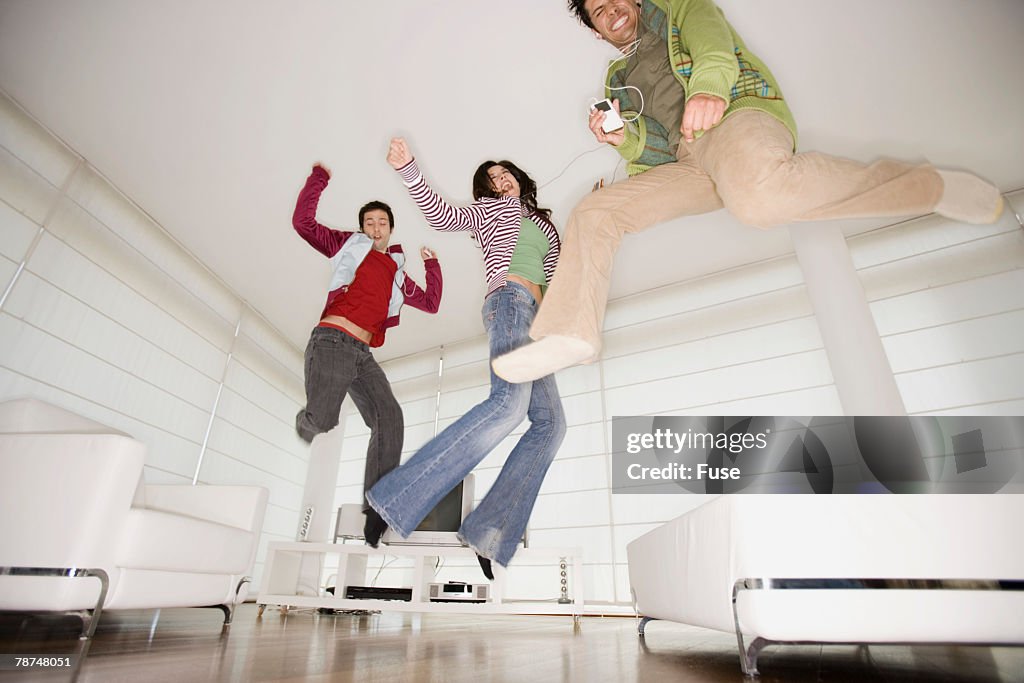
[(702, 112), (398, 153), (597, 116), (321, 165), (426, 253)]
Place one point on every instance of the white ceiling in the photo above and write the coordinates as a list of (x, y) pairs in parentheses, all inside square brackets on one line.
[(209, 114)]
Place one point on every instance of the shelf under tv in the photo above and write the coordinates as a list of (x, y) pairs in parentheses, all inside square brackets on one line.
[(282, 571)]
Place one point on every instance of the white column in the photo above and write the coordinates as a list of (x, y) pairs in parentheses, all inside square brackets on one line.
[(321, 481), (861, 370)]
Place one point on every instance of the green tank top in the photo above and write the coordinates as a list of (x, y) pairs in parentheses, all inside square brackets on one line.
[(528, 257)]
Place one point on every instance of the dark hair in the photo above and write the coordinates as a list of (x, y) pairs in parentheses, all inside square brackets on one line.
[(577, 8), (527, 188), (376, 206)]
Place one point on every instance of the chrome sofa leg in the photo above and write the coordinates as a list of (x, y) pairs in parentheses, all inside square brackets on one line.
[(228, 613), (643, 624), (90, 617), (228, 608), (748, 656)]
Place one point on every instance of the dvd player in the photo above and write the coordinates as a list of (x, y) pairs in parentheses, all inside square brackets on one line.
[(457, 591), (378, 593)]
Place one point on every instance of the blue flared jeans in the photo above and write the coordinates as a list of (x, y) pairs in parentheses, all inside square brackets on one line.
[(407, 494)]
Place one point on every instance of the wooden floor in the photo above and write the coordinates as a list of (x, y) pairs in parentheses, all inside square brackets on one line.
[(184, 646)]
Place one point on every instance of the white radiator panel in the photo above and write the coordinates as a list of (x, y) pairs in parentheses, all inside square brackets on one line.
[(707, 292), (279, 521), (566, 474), (244, 442), (247, 413), (984, 381), (959, 342), (275, 396), (136, 271), (95, 196), (573, 509), (7, 269), (820, 400), (583, 439), (69, 271), (952, 303), (720, 385), (16, 234), (24, 189), (33, 352), (756, 310), (61, 315), (654, 508), (778, 339)]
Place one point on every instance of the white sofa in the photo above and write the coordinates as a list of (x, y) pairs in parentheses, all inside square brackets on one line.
[(838, 569), (78, 518)]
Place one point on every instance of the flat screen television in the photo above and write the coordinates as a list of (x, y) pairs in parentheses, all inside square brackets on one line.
[(442, 524)]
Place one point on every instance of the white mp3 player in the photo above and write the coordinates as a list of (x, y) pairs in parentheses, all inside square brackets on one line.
[(612, 122)]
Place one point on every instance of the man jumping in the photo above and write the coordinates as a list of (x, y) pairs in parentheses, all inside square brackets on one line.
[(706, 127)]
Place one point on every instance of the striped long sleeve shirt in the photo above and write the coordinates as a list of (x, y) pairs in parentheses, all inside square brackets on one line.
[(494, 222)]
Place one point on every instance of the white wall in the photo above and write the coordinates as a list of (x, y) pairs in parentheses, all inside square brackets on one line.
[(113, 319)]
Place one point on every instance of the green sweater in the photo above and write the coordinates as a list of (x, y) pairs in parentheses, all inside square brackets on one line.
[(707, 57)]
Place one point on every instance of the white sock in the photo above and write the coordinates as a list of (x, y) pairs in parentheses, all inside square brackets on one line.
[(968, 198), (541, 358)]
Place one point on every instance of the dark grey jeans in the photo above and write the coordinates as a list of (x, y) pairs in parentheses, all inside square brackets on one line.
[(336, 365)]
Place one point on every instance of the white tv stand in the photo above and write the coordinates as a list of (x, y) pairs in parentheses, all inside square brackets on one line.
[(281, 573)]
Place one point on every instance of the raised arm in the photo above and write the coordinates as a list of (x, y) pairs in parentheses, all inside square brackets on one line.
[(415, 296), (439, 214), (320, 237)]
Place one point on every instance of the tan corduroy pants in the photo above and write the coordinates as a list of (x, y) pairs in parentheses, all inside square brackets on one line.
[(745, 164)]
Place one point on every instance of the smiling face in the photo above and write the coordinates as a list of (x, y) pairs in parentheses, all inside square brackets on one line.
[(617, 21), (377, 227), (502, 181)]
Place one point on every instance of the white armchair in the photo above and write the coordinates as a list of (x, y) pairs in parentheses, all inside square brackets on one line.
[(83, 533)]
